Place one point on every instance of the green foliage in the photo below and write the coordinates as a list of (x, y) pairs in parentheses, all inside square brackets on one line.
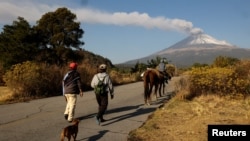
[(100, 88), (153, 63), (60, 29), (17, 43), (223, 61), (196, 65), (29, 79), (59, 34), (139, 67), (54, 40)]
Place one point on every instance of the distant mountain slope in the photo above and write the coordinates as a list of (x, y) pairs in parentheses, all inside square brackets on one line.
[(200, 48)]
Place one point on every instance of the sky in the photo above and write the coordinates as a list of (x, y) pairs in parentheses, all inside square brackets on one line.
[(124, 30)]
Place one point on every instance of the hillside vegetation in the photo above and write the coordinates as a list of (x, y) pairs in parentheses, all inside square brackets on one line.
[(216, 94)]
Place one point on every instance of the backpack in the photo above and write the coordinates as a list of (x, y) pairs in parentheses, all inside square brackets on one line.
[(100, 88)]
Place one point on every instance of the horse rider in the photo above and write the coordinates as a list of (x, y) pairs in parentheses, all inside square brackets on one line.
[(162, 69)]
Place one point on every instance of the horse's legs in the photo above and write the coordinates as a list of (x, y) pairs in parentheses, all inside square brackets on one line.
[(155, 92), (160, 89), (163, 88), (146, 93), (147, 99)]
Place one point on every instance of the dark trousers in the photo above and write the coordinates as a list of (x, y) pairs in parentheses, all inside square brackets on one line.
[(102, 101), (164, 73)]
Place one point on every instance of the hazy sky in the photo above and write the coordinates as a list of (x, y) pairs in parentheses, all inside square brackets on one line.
[(123, 30)]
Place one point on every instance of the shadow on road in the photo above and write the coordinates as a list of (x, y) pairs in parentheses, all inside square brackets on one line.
[(163, 99), (139, 111), (87, 116), (136, 110), (122, 109), (95, 137), (116, 110)]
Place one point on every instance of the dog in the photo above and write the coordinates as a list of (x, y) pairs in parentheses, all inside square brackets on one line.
[(70, 130)]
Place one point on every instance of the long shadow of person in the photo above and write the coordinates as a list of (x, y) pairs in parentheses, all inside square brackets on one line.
[(122, 109), (95, 137), (98, 136), (115, 110), (87, 116), (137, 112)]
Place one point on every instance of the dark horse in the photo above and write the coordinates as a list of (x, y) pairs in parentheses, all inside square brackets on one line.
[(152, 78)]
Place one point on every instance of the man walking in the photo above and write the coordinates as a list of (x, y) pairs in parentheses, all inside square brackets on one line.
[(102, 99), (71, 88)]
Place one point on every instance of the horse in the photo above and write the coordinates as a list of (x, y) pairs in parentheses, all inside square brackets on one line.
[(152, 78)]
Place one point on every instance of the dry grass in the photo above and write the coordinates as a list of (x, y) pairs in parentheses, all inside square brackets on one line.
[(7, 97), (5, 94), (180, 120)]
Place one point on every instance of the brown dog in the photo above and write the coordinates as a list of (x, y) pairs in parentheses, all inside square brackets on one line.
[(70, 130)]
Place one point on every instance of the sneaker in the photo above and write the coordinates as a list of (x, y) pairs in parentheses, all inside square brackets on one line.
[(98, 121), (66, 116)]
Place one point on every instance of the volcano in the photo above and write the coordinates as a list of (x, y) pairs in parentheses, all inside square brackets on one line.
[(197, 48)]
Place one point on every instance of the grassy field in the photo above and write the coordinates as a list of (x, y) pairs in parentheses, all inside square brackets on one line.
[(180, 120)]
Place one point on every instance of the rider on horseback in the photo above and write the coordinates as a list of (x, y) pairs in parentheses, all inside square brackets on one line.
[(162, 70)]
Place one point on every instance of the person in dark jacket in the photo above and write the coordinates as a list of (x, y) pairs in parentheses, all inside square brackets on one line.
[(72, 87), (102, 100)]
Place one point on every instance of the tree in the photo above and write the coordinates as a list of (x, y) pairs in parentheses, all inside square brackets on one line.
[(139, 67), (18, 43), (154, 62), (58, 31)]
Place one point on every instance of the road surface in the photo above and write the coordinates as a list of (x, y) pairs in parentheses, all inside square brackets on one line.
[(43, 119)]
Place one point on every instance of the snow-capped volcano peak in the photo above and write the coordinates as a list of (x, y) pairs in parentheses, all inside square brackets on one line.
[(204, 39), (199, 40)]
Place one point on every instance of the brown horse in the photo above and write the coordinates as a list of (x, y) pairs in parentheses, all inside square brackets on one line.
[(152, 79)]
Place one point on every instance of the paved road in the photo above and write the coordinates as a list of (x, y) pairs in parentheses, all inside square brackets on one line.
[(42, 120)]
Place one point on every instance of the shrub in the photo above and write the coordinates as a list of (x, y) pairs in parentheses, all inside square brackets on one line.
[(29, 79), (223, 81), (171, 69), (123, 78)]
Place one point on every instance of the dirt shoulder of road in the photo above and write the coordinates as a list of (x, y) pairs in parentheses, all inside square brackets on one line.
[(181, 120)]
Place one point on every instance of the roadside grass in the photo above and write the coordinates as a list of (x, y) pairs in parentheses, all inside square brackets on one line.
[(5, 95), (185, 120)]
